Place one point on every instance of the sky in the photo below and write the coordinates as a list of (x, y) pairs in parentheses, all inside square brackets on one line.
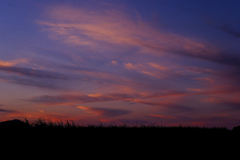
[(155, 62)]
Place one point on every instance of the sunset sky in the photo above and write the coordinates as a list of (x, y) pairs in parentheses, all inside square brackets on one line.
[(161, 62)]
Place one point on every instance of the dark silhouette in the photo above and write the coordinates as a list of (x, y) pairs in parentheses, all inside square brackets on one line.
[(138, 134), (236, 129), (11, 124)]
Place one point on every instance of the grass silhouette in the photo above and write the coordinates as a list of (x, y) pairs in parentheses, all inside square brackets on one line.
[(43, 124), (68, 130)]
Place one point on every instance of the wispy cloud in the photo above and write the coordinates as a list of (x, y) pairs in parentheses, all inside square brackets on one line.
[(80, 99), (160, 116), (158, 66), (225, 28), (81, 27), (105, 112), (195, 89), (231, 105), (31, 76), (35, 82), (6, 110), (12, 63), (167, 105), (31, 72)]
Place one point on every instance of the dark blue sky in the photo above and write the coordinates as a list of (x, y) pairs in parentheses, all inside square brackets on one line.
[(163, 62)]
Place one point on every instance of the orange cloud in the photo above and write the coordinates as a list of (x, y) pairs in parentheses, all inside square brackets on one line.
[(12, 63), (158, 66), (132, 66), (114, 62), (90, 110)]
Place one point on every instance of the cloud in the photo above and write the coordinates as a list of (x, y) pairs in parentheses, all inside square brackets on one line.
[(33, 77), (80, 99), (144, 69), (229, 104), (105, 112), (228, 75), (169, 106), (195, 89), (133, 66), (114, 62), (6, 110), (151, 74), (204, 53), (225, 28), (36, 82), (205, 79), (158, 67), (160, 116), (12, 63), (31, 72), (110, 28)]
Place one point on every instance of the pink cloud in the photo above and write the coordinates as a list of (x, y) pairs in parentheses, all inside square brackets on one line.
[(195, 89), (132, 66), (106, 112), (82, 27), (204, 79), (158, 67), (160, 116), (114, 63)]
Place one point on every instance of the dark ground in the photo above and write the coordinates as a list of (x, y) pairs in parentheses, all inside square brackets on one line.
[(41, 127), (151, 142)]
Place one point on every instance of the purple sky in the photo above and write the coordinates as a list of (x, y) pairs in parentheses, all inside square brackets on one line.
[(162, 62)]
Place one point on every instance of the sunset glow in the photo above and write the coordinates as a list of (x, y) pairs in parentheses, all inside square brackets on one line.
[(160, 62)]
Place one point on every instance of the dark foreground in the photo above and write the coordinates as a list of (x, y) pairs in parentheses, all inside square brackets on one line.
[(48, 132), (41, 136), (42, 126)]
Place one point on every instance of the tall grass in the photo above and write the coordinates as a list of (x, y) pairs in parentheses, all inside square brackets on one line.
[(43, 123)]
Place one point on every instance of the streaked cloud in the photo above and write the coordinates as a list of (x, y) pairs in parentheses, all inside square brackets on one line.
[(105, 112), (80, 99), (206, 79), (43, 83), (167, 105), (158, 66), (114, 62), (12, 63), (160, 116), (132, 66), (31, 72), (225, 27), (195, 89), (78, 26), (6, 110), (229, 104)]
